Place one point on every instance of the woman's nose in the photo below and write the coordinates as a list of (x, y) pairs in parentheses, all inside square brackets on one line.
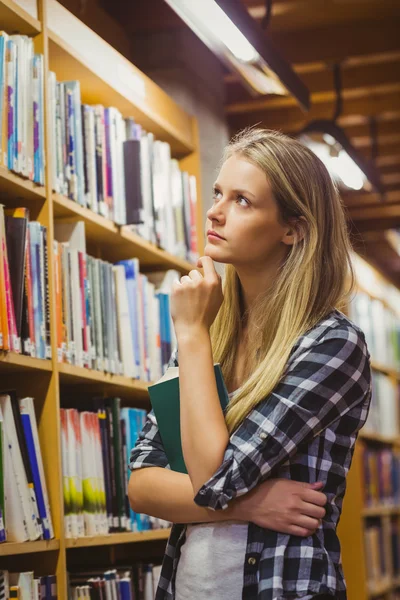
[(215, 213)]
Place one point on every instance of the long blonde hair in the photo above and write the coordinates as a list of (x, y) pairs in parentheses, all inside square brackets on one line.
[(316, 277)]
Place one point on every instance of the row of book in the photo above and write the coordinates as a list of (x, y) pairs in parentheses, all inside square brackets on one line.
[(112, 166), (375, 555), (381, 327), (96, 445), (383, 416), (24, 503), (381, 471), (24, 284), (110, 317), (21, 107), (25, 586), (137, 582)]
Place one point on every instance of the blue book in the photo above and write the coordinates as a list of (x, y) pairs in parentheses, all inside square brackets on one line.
[(144, 523), (30, 444), (131, 275), (133, 435), (125, 588), (11, 110), (125, 416), (73, 91)]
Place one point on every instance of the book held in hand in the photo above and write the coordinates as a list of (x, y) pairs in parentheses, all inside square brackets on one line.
[(164, 397)]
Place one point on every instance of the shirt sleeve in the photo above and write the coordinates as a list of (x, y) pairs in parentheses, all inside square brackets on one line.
[(148, 450), (321, 385)]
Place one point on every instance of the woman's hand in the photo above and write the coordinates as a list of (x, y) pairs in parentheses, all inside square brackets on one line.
[(196, 299), (285, 506)]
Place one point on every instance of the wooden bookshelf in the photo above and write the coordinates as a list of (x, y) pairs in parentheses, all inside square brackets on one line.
[(14, 18), (74, 51), (129, 389), (118, 538), (356, 515), (116, 243), (9, 361), (10, 548)]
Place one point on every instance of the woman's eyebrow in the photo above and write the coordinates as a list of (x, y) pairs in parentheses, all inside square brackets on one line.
[(237, 191)]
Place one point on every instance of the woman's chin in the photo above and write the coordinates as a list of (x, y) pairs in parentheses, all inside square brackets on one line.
[(215, 254)]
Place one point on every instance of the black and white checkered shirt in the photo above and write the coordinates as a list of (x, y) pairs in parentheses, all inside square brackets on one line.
[(304, 430)]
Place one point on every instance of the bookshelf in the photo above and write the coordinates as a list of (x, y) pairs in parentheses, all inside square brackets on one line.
[(356, 516), (75, 52)]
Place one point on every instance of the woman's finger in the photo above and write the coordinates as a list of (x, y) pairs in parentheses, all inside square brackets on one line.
[(195, 275), (186, 279), (312, 510), (209, 270)]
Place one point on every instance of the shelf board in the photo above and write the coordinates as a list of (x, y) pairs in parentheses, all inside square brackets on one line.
[(377, 588), (9, 361), (380, 511), (113, 384), (16, 191), (10, 548), (378, 438), (118, 538), (385, 370), (14, 19), (108, 78), (116, 243)]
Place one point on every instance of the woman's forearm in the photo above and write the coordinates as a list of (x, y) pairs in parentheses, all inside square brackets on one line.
[(203, 428), (169, 495)]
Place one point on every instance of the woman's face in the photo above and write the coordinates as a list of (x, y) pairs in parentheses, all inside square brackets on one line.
[(245, 215)]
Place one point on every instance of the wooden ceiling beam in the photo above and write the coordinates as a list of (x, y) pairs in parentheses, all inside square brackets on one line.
[(302, 14), (362, 199), (365, 79), (338, 43), (290, 118)]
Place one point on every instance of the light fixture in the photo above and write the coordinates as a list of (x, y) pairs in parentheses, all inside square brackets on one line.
[(331, 144), (229, 31)]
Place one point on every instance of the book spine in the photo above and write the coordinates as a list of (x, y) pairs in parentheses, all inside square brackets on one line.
[(65, 468), (46, 292), (29, 342)]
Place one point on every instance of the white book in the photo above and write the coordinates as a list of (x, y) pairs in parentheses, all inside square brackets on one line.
[(27, 408), (75, 474), (152, 331), (25, 583), (98, 315), (21, 518), (91, 201), (177, 203), (52, 85), (124, 323), (121, 138), (114, 168)]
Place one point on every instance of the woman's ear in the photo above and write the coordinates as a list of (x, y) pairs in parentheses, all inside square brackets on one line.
[(295, 231)]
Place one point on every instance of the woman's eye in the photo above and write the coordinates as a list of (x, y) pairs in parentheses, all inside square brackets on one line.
[(243, 201), (217, 194)]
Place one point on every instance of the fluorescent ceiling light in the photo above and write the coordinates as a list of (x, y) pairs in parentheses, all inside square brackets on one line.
[(229, 31), (347, 168)]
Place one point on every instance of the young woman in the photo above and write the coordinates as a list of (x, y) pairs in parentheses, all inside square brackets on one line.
[(252, 522)]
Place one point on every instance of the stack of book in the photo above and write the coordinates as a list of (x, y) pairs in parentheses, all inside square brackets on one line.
[(381, 326), (24, 504), (110, 317), (375, 553), (96, 445), (112, 166), (381, 470), (25, 586), (138, 582), (21, 107), (24, 285), (383, 416)]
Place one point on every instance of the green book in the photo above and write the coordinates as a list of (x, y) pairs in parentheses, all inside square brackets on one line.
[(164, 396)]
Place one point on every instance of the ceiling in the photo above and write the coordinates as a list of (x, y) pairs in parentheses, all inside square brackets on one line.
[(364, 37)]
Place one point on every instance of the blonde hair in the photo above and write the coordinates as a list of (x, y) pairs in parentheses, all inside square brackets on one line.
[(316, 276)]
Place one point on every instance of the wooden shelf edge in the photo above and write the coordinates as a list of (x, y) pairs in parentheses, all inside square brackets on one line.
[(20, 362), (80, 373), (380, 587), (26, 23), (11, 548), (118, 538), (376, 366), (19, 183), (380, 511)]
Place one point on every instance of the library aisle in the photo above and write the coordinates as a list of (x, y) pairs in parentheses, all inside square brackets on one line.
[(113, 119)]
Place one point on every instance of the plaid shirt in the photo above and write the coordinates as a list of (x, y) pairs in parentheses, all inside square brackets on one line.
[(304, 430)]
